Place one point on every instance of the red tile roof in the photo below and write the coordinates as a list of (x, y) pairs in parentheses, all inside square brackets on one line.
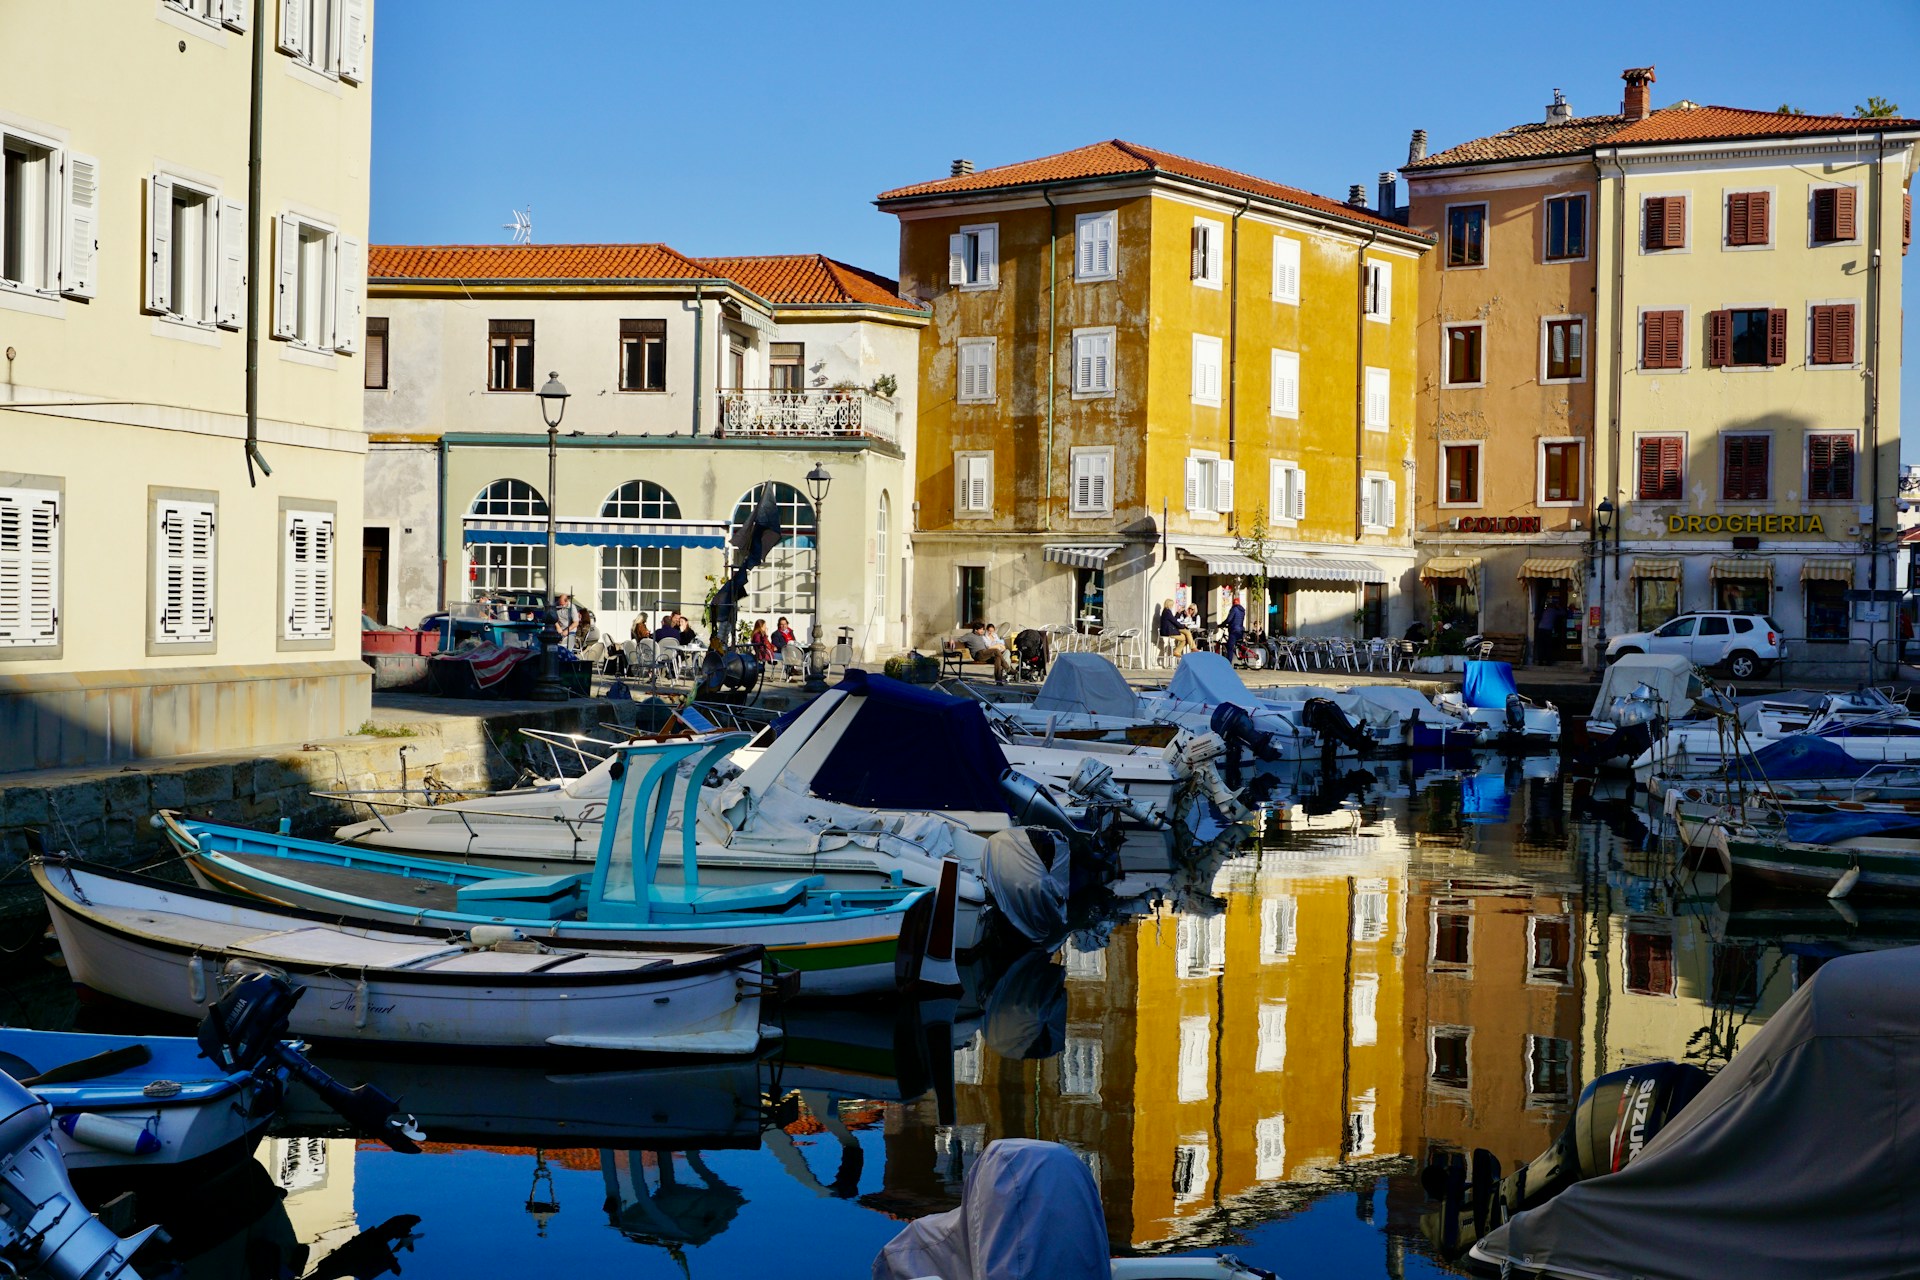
[(791, 279), (531, 262), (1116, 158), (1535, 141)]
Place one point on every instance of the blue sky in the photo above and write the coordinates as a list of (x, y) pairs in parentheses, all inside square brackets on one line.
[(762, 128)]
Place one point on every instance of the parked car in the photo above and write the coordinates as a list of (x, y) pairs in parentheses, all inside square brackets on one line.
[(1746, 644)]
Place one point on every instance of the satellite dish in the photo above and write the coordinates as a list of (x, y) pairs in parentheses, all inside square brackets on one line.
[(521, 226)]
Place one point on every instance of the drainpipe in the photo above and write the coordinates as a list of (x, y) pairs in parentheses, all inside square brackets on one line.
[(1360, 392), (1233, 345), (255, 131), (440, 520), (699, 337), (1616, 378), (1874, 287), (1053, 353)]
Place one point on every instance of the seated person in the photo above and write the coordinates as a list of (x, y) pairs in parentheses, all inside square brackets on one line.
[(641, 631), (668, 628), (982, 645), (762, 641), (585, 632), (687, 637)]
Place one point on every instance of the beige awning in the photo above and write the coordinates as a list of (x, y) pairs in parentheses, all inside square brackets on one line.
[(1827, 569), (1649, 567), (1551, 567), (1450, 567), (1750, 568)]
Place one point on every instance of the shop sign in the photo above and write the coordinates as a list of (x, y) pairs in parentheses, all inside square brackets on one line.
[(1496, 524), (1770, 522)]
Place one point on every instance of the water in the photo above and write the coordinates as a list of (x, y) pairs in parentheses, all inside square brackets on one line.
[(1254, 1053)]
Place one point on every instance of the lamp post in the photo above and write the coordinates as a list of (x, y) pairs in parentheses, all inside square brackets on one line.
[(818, 481), (1603, 528), (553, 407)]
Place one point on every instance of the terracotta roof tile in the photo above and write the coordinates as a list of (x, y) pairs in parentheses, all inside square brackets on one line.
[(789, 279), (1118, 159), (1535, 141), (531, 262), (1689, 123)]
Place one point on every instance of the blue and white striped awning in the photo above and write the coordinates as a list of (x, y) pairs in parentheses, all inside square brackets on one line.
[(598, 533)]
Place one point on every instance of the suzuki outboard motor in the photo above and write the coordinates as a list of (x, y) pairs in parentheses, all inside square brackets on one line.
[(1516, 713), (1324, 717), (1093, 783), (1032, 805), (1235, 724), (44, 1228)]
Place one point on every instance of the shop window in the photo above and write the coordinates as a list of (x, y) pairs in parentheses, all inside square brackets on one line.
[(1827, 611), (1373, 610), (1090, 598), (1743, 595), (1659, 601)]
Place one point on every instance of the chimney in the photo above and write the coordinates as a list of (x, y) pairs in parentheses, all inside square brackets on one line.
[(1417, 149), (1559, 111), (1637, 105), (961, 168), (1389, 191), (1357, 195)]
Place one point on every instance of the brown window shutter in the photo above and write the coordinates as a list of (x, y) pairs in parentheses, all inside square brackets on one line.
[(1822, 322), (1777, 336), (1906, 221), (1676, 222), (1650, 468), (1655, 217), (1842, 333), (1841, 464), (1737, 214), (1673, 338), (1759, 217), (1823, 215), (1733, 462), (1843, 200), (1719, 339), (1819, 466), (1652, 331), (1670, 468)]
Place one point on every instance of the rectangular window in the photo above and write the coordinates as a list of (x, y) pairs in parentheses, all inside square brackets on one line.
[(643, 355), (1562, 470), (376, 357), (1566, 228), (1735, 969), (1452, 939), (1463, 355), (1749, 337), (1658, 602), (1829, 466), (1379, 388), (506, 569), (1460, 470), (1749, 218), (1663, 340), (1286, 270), (1447, 1057), (1287, 493), (306, 575), (1206, 245), (1092, 481), (1209, 484), (1080, 1062), (1661, 476), (1833, 214), (329, 36), (1093, 236), (1549, 1069), (1379, 290), (1827, 611), (183, 572), (1830, 334), (1549, 949), (1565, 355), (1285, 397), (973, 594), (976, 371), (29, 568), (1363, 1009), (1196, 1037), (1467, 235), (973, 256), (639, 579), (1093, 362), (1663, 222), (29, 214), (1206, 369), (510, 363), (1650, 959), (1745, 467), (1369, 911), (1379, 506), (1190, 1168), (974, 473), (786, 366), (196, 254), (1279, 928), (1270, 1149)]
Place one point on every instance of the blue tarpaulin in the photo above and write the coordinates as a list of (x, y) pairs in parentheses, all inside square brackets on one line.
[(1488, 684), (910, 748), (1845, 824), (1799, 755)]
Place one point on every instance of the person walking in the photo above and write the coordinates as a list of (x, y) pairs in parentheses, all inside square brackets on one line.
[(1236, 629), (1546, 634)]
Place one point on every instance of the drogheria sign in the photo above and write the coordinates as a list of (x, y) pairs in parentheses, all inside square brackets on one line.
[(1771, 522)]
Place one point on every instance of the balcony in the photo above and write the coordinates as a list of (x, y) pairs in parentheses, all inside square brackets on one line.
[(770, 413)]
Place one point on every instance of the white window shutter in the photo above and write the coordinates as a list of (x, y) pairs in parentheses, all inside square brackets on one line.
[(308, 574), (1086, 256), (1366, 501), (286, 283), (233, 14), (967, 384), (1391, 516), (1106, 231), (183, 572), (347, 274), (983, 376), (1277, 502), (1223, 485), (353, 41), (29, 567), (982, 483), (1214, 251), (80, 242), (1102, 464), (1082, 362), (1299, 493), (1194, 497), (233, 265), (989, 240), (1198, 245), (293, 27), (1103, 362), (1083, 482), (1286, 269), (1382, 289), (159, 244), (956, 259)]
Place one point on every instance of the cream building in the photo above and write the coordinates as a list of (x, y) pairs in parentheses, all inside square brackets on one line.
[(170, 576), (693, 382)]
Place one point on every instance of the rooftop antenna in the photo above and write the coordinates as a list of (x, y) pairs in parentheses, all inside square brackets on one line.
[(521, 226)]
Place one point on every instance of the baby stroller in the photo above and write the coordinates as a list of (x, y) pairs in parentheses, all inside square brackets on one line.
[(1030, 655)]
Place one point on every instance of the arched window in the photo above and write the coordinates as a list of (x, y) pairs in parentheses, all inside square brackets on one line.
[(495, 568), (880, 521), (783, 584), (640, 579)]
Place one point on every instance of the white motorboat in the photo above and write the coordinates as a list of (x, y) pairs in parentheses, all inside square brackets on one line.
[(165, 946), (1867, 724), (1640, 695), (1394, 717), (1488, 697)]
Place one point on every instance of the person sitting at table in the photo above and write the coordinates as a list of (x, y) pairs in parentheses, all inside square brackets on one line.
[(667, 630), (585, 632), (783, 634), (1172, 639), (641, 631), (687, 636), (762, 641), (982, 644)]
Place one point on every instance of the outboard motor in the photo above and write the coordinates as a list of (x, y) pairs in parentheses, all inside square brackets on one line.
[(44, 1228), (1324, 717), (1029, 872), (1197, 753), (1235, 725), (1516, 714), (1093, 783), (1032, 805)]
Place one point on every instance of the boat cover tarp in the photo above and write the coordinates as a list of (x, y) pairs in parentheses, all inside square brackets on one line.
[(1029, 872), (1029, 1211), (1667, 674), (910, 748), (1488, 685), (1845, 824), (1209, 679), (1799, 1159), (1088, 683), (1798, 756), (1026, 1012)]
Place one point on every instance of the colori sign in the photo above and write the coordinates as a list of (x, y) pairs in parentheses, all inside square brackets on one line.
[(1497, 524), (1772, 522)]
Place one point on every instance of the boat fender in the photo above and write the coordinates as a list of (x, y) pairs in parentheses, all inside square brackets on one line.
[(161, 1089), (360, 1004), (1844, 885), (197, 980), (109, 1134), (492, 935)]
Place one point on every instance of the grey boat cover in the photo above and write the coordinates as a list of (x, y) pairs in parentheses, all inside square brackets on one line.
[(1209, 679), (1086, 682), (1797, 1160), (1029, 1211), (1668, 674), (1028, 870)]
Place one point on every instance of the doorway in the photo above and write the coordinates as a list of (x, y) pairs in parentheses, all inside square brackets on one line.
[(373, 572), (1556, 627)]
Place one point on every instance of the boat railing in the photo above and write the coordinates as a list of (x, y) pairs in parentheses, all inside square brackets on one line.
[(465, 812), (578, 748)]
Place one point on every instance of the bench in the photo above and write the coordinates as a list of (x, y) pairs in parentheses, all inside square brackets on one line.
[(954, 657)]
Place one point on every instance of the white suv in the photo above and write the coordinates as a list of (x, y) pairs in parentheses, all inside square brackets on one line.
[(1745, 643)]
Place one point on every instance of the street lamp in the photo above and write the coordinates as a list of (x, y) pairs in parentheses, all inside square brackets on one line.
[(818, 482), (547, 686), (1603, 527)]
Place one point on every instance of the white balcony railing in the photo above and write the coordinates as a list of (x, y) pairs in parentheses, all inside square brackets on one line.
[(813, 413)]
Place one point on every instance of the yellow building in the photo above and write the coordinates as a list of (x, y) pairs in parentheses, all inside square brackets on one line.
[(1149, 377), (180, 433)]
